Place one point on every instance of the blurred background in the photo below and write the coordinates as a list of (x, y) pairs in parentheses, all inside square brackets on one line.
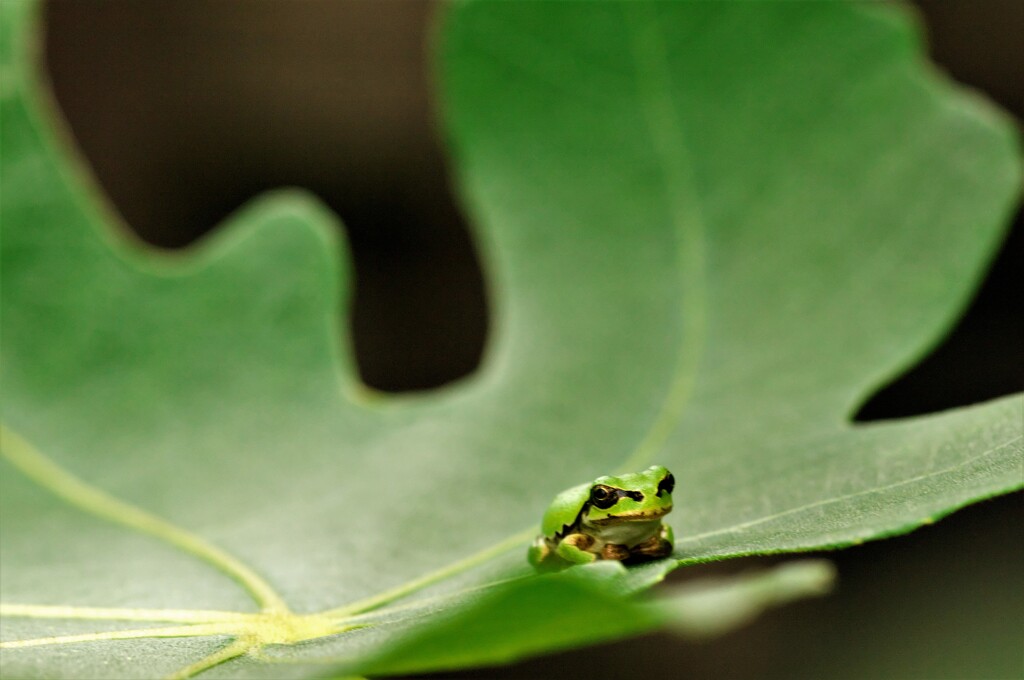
[(185, 109)]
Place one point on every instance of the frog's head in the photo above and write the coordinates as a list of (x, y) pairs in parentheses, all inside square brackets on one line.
[(637, 497)]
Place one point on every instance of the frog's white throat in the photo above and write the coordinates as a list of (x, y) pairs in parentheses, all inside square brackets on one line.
[(627, 533)]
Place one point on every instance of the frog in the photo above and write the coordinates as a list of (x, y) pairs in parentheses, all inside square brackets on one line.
[(611, 518)]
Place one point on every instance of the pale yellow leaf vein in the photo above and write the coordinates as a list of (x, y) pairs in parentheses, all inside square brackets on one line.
[(238, 647), (42, 611), (76, 492), (431, 578), (196, 630)]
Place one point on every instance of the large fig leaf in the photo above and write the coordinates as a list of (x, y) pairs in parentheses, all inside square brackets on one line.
[(710, 231)]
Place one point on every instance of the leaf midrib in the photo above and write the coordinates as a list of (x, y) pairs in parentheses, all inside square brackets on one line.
[(686, 215)]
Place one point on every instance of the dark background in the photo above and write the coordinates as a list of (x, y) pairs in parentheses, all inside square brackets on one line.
[(185, 109)]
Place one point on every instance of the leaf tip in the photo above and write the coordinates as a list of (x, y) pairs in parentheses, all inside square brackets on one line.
[(714, 606)]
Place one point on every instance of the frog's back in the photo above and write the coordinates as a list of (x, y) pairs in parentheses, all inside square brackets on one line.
[(564, 510)]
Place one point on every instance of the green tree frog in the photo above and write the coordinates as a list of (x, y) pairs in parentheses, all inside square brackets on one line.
[(610, 518)]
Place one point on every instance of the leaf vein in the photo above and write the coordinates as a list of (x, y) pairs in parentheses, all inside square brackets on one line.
[(78, 493), (685, 212)]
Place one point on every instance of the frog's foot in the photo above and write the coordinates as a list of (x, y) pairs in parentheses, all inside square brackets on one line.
[(655, 546), (667, 534), (573, 548), (614, 551), (539, 552)]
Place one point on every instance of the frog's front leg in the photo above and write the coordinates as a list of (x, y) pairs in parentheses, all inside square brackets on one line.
[(573, 548), (659, 545)]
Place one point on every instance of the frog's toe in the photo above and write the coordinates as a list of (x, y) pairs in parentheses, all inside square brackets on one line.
[(537, 554), (653, 547), (612, 551)]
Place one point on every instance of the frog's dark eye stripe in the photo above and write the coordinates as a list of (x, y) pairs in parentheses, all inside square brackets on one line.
[(667, 484), (603, 496)]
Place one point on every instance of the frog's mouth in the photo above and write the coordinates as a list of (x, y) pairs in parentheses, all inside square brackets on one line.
[(631, 517)]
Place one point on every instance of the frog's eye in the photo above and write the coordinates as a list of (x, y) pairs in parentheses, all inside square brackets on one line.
[(603, 497), (667, 484)]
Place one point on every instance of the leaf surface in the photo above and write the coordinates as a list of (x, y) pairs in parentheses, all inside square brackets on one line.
[(710, 231)]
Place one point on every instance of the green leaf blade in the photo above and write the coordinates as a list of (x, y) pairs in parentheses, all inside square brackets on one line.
[(518, 621)]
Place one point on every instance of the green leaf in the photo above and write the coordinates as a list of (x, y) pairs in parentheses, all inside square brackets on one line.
[(589, 614), (711, 230)]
